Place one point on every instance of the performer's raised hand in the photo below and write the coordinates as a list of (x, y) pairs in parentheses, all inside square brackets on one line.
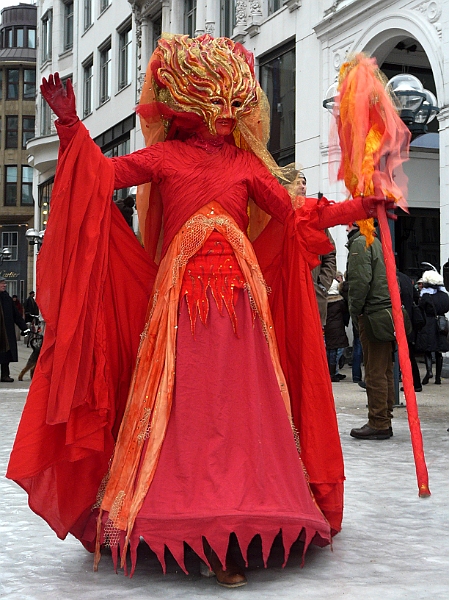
[(371, 203), (61, 100)]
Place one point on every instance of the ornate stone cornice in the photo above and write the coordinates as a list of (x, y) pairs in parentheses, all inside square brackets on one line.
[(432, 10)]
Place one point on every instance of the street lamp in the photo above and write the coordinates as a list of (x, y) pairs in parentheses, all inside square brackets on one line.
[(5, 254), (418, 106), (35, 237)]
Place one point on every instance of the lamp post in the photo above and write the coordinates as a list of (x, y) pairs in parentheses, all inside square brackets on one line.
[(5, 254), (35, 237), (417, 106)]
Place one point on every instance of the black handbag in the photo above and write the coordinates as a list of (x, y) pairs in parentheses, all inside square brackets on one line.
[(442, 322), (380, 326)]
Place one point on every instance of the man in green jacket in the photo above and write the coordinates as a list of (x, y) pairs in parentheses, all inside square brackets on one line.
[(367, 294)]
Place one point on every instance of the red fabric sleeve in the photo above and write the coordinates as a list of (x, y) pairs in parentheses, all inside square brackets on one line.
[(340, 213), (138, 167), (93, 283), (268, 193)]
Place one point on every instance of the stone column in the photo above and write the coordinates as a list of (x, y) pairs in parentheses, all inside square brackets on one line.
[(200, 18), (443, 118)]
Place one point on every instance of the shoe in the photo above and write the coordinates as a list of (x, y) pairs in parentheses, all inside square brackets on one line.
[(437, 381), (362, 384), (426, 378), (233, 577), (6, 379), (340, 376), (335, 379), (368, 433), (356, 379)]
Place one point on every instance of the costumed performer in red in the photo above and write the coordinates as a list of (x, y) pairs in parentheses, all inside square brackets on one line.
[(215, 424)]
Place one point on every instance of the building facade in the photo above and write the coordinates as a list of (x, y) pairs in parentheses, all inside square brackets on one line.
[(17, 120), (299, 46)]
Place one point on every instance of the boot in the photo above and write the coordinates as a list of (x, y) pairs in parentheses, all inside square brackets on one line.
[(231, 578), (429, 374), (438, 367), (333, 373)]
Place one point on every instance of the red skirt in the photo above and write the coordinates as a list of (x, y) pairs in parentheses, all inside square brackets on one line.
[(229, 462)]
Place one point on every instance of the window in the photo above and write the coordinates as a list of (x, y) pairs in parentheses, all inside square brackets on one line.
[(10, 240), (27, 130), (31, 38), (29, 84), (27, 186), (8, 38), (68, 24), (20, 37), (44, 195), (277, 77), (45, 118), (87, 14), (12, 131), (119, 149), (87, 87), (273, 6), (13, 84), (125, 57), (227, 17), (1, 84), (190, 17), (103, 5), (105, 73), (47, 34), (11, 186)]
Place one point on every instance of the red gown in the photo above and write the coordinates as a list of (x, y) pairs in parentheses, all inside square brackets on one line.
[(229, 461)]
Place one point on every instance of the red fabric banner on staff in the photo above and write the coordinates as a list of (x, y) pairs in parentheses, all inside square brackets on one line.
[(374, 143)]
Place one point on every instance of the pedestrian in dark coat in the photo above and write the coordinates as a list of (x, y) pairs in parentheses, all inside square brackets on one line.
[(31, 308), (434, 301), (8, 342), (335, 329), (406, 290)]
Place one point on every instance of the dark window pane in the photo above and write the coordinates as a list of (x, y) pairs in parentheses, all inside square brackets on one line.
[(19, 38), (29, 84), (12, 127), (31, 38), (13, 84), (27, 130), (11, 186), (27, 186)]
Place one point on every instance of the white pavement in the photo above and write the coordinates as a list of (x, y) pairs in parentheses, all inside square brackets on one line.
[(394, 545)]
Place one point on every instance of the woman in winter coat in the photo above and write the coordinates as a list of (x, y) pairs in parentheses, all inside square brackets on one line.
[(434, 301), (334, 331)]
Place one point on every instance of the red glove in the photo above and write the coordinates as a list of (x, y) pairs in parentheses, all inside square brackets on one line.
[(370, 204), (61, 100)]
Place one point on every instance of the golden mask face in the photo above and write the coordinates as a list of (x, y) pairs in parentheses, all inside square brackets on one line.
[(212, 78)]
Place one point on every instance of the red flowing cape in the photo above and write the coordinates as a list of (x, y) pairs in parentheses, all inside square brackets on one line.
[(94, 281), (93, 284)]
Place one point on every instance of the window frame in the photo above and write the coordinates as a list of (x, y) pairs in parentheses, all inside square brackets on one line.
[(26, 130), (87, 15), (105, 66), (27, 95), (10, 185), (9, 83), (11, 130), (88, 64), (47, 35), (7, 242), (28, 184), (68, 24), (125, 55)]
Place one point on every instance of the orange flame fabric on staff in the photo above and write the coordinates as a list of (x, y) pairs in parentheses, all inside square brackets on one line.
[(374, 144)]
